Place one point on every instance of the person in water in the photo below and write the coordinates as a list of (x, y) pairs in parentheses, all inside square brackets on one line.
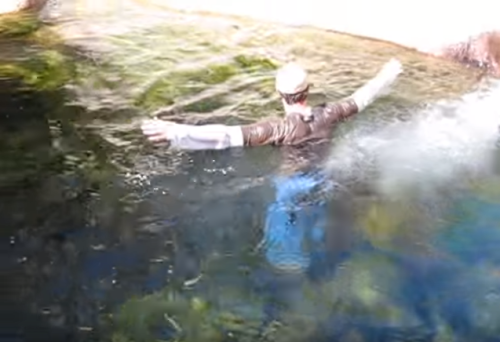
[(295, 221), (301, 123)]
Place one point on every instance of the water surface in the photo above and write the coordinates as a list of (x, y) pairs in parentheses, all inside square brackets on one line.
[(105, 237)]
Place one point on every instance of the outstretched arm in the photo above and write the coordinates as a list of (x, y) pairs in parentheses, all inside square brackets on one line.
[(365, 95), (216, 137), (193, 137), (270, 131)]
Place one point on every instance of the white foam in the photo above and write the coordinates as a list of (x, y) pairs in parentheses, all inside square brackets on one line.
[(440, 144)]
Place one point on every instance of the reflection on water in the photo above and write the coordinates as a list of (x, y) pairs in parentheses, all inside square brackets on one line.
[(107, 238)]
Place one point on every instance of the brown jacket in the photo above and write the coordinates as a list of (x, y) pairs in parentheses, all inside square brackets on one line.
[(294, 130)]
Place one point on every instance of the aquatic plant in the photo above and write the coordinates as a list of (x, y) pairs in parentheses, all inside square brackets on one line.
[(44, 70), (191, 70), (178, 84), (17, 24), (32, 54), (171, 316)]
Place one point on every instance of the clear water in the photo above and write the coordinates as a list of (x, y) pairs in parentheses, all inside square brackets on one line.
[(105, 237)]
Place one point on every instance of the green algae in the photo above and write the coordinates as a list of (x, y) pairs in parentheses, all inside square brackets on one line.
[(181, 318), (30, 54), (154, 76), (178, 84), (208, 105), (254, 63), (44, 70), (17, 25), (368, 289)]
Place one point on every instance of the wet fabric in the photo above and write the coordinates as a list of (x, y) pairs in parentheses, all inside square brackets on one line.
[(294, 130), (295, 221)]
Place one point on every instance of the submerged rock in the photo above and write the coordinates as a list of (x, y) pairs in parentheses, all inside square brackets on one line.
[(172, 316), (368, 294), (164, 315), (473, 233), (469, 303), (403, 227)]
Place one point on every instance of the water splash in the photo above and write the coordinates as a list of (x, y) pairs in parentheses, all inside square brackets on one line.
[(441, 143)]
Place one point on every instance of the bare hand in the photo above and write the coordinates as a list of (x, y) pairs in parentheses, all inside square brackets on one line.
[(379, 85), (392, 68), (157, 130)]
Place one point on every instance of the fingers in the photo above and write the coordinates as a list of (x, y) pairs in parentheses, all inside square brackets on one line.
[(394, 61), (394, 66), (150, 127), (156, 138), (398, 67), (155, 130)]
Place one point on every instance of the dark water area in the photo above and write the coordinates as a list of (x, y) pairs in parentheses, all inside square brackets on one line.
[(74, 249), (106, 238), (72, 246)]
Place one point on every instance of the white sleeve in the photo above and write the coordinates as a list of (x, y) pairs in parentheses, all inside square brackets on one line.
[(377, 86), (206, 137)]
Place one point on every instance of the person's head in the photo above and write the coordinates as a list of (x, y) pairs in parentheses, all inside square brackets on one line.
[(292, 85)]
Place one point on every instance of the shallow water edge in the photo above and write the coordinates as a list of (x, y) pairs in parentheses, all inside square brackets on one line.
[(414, 25)]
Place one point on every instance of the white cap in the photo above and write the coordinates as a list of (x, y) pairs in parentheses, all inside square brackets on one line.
[(291, 79)]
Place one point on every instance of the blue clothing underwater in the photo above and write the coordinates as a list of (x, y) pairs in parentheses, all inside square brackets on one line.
[(295, 223)]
